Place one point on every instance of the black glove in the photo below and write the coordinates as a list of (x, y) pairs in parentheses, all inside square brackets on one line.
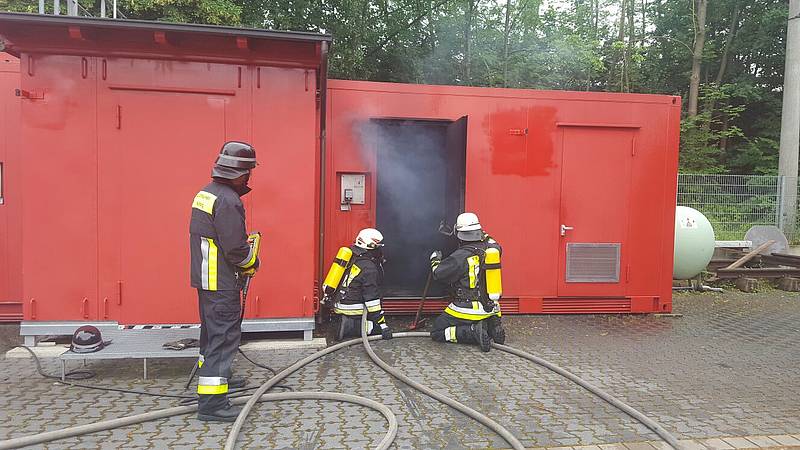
[(488, 305), (386, 333)]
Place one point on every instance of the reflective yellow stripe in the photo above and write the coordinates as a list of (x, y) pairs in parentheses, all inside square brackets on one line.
[(204, 201), (212, 390), (348, 312), (212, 265), (450, 334), (200, 361), (354, 271), (474, 263), (466, 316)]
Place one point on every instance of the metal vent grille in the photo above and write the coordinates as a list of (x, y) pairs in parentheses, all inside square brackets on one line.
[(592, 263)]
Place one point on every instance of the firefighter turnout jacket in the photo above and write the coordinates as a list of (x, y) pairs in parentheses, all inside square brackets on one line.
[(464, 271), (361, 288), (218, 239)]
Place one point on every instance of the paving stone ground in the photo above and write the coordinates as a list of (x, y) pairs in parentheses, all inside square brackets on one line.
[(727, 368)]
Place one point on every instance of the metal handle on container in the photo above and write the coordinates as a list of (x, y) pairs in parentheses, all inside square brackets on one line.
[(565, 228)]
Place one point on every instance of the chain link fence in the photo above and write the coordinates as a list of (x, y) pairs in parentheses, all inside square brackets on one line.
[(734, 203)]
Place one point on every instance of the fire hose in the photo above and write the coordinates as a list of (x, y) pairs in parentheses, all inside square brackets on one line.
[(261, 395)]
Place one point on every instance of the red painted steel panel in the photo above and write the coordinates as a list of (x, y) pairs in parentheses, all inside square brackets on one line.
[(283, 201), (11, 207), (156, 150), (59, 181), (595, 184), (516, 168), (116, 148)]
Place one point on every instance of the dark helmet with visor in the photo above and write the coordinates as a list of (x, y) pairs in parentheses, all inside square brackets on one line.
[(234, 160)]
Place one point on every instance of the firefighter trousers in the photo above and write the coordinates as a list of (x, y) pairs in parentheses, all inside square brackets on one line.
[(447, 328), (220, 332)]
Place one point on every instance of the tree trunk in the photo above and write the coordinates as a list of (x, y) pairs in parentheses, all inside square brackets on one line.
[(644, 22), (723, 64), (697, 56), (631, 42), (621, 38), (506, 42), (467, 41)]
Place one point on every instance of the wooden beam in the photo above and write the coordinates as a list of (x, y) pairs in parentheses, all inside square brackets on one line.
[(750, 255)]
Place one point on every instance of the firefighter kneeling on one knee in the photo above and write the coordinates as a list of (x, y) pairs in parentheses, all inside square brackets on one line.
[(354, 281), (473, 274)]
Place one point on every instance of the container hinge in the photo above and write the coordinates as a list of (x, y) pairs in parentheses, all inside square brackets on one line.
[(633, 146), (628, 273), (30, 95), (119, 117), (119, 292)]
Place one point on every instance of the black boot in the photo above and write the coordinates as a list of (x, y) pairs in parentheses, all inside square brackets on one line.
[(236, 382), (496, 330), (481, 336), (349, 327), (226, 414)]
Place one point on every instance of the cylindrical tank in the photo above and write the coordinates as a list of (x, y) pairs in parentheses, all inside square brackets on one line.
[(694, 243)]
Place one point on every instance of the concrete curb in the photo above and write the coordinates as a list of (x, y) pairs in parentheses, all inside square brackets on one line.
[(781, 441)]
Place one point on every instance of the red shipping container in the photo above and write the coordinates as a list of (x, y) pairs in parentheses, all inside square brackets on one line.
[(578, 187), (121, 121)]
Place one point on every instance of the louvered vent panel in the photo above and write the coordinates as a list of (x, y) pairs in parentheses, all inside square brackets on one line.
[(592, 263)]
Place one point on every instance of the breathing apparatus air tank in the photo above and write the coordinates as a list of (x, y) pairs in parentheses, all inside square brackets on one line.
[(494, 283), (336, 271)]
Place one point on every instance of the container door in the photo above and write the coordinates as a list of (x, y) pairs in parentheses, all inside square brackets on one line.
[(59, 182), (156, 154), (456, 149), (594, 211)]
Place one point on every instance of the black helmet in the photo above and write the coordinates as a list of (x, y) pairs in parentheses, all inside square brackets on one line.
[(235, 159), (87, 339)]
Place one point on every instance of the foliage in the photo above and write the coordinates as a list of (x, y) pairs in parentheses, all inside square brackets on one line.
[(640, 46)]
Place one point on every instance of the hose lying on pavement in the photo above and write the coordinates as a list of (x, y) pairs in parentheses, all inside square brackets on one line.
[(467, 411), (233, 435), (629, 410), (164, 413), (261, 393)]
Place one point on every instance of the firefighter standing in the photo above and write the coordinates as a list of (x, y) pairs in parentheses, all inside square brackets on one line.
[(472, 317), (360, 286), (220, 258)]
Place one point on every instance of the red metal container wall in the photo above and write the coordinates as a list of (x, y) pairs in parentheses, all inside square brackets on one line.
[(518, 183), (127, 146), (10, 209)]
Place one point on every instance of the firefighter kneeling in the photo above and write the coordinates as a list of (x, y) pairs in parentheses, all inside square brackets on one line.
[(473, 274), (354, 281)]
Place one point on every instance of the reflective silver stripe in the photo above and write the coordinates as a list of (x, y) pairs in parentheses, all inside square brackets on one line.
[(246, 260), (348, 310), (369, 326), (212, 381), (236, 158), (204, 264), (356, 306), (475, 313), (373, 305), (384, 326), (450, 334)]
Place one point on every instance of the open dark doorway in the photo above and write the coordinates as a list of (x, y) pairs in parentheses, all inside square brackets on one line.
[(421, 170)]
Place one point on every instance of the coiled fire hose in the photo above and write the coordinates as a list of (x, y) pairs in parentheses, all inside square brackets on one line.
[(260, 394)]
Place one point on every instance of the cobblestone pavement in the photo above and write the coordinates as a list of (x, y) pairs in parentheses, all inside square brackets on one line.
[(728, 367)]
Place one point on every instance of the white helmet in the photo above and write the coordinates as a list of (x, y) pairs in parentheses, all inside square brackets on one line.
[(468, 227), (369, 239)]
